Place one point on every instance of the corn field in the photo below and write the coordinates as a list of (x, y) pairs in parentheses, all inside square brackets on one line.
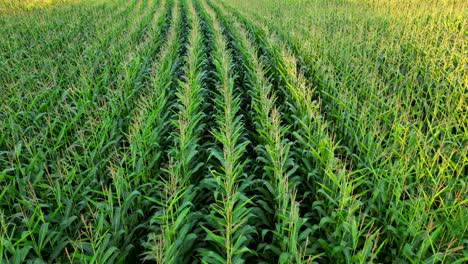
[(233, 131)]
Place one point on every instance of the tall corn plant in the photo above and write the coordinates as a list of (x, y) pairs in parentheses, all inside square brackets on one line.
[(177, 221), (149, 120), (150, 125), (130, 170), (227, 228), (274, 152), (126, 190), (289, 241)]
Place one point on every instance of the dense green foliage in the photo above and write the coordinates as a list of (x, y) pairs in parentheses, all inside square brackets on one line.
[(234, 131)]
